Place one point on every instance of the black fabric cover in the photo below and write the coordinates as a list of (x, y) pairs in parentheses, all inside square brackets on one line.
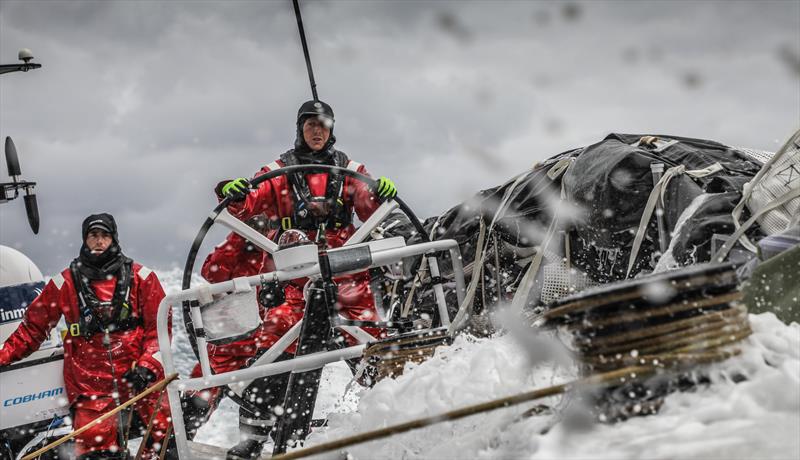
[(610, 181)]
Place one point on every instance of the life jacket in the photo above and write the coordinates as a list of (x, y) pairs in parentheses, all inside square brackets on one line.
[(92, 321), (310, 212)]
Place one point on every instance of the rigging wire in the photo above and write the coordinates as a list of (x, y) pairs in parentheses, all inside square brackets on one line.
[(305, 49)]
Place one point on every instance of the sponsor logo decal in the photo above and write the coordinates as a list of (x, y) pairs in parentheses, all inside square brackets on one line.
[(12, 314), (33, 397)]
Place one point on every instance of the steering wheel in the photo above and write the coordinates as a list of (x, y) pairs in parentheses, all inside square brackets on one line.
[(220, 214)]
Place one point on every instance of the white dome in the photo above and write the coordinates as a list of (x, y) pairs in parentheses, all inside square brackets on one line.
[(17, 268)]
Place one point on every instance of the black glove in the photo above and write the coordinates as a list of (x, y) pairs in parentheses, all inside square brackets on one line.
[(139, 378)]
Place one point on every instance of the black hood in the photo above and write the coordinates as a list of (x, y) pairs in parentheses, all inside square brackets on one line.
[(300, 145), (96, 266), (323, 157), (104, 221)]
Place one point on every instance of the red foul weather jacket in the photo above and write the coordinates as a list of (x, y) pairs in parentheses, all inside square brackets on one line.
[(87, 368), (274, 198), (232, 258)]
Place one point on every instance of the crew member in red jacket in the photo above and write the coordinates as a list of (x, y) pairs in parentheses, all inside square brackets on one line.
[(311, 203), (109, 302), (235, 257)]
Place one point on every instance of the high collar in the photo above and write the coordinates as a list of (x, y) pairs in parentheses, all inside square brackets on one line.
[(100, 266)]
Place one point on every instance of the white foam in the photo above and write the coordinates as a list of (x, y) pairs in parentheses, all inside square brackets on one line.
[(756, 418)]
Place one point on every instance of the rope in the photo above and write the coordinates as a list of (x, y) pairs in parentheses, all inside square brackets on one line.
[(388, 357), (686, 284), (739, 233), (481, 249), (498, 281), (701, 321), (423, 267), (157, 387), (658, 192), (747, 192), (627, 374), (164, 448), (149, 427), (526, 284), (665, 359), (649, 332), (473, 283), (664, 311)]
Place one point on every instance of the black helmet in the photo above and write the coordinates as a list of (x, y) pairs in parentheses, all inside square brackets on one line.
[(317, 109)]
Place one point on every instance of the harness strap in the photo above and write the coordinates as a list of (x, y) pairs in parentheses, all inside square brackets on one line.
[(302, 215), (333, 192), (90, 322), (75, 329)]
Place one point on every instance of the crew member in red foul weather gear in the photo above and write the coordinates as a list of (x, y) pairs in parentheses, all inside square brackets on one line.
[(111, 352), (308, 202), (234, 257)]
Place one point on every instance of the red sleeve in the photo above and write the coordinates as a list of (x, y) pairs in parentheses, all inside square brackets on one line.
[(364, 202), (221, 264), (262, 200), (150, 294), (40, 317)]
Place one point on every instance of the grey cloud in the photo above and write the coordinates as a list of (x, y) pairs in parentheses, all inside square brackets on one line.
[(142, 107)]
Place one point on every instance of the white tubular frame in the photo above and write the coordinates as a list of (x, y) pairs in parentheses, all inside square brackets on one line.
[(225, 218), (264, 366), (376, 218)]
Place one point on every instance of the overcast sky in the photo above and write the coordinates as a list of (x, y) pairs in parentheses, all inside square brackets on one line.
[(141, 107)]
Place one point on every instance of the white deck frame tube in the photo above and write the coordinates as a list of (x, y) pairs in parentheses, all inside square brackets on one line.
[(225, 218), (299, 364), (376, 218)]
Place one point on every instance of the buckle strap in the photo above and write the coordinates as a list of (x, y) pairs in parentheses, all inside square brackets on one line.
[(337, 216), (78, 330)]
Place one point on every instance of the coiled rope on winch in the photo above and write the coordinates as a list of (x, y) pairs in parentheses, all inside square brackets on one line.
[(685, 316)]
